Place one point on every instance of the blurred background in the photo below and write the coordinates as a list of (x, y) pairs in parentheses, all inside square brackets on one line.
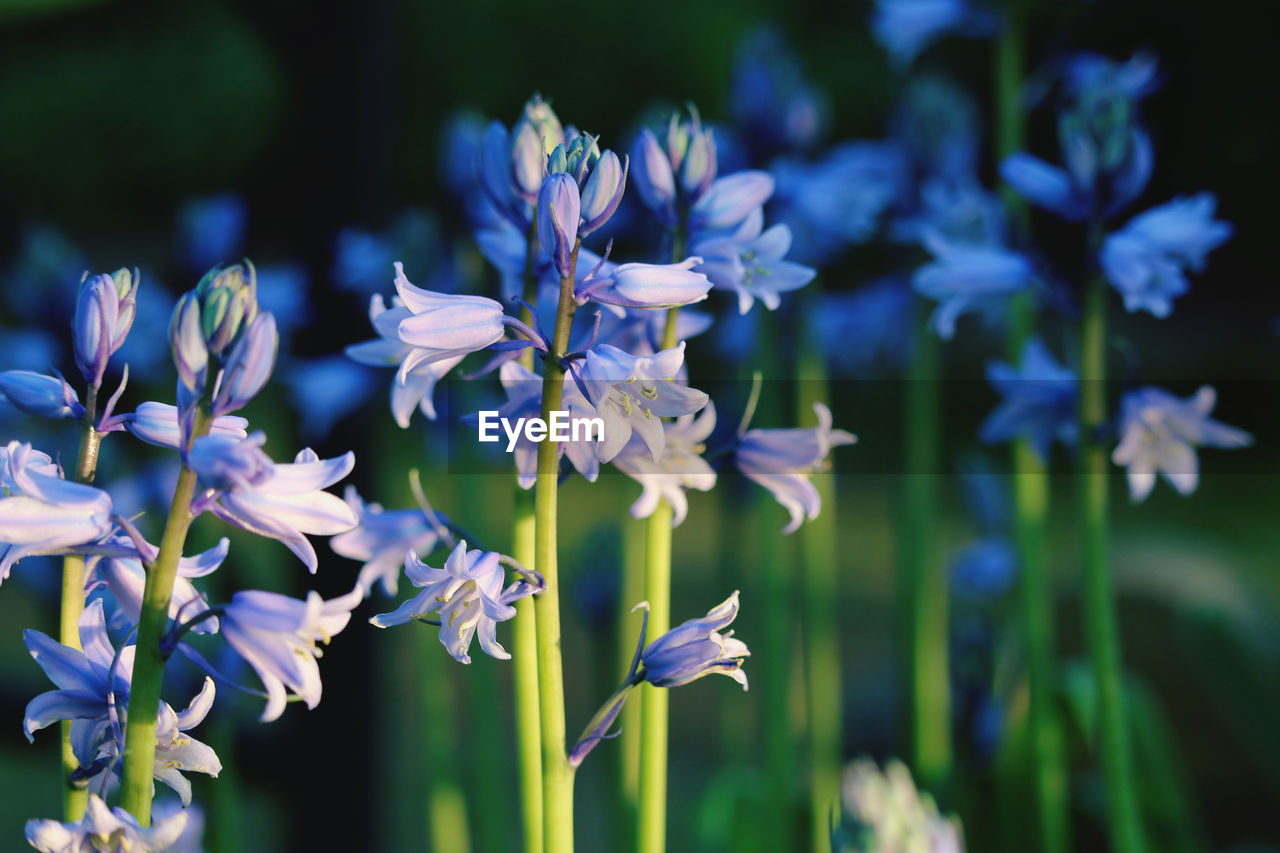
[(317, 141)]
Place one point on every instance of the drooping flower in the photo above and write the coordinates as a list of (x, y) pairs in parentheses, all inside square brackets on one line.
[(653, 178), (277, 635), (964, 277), (650, 286), (382, 539), (1039, 401), (1159, 433), (633, 393), (290, 502), (1147, 259), (40, 511), (466, 595), (729, 200), (248, 366), (228, 462), (157, 423), (883, 812), (40, 395), (125, 578), (697, 648), (105, 829), (752, 263), (782, 460), (443, 326), (602, 191), (681, 466)]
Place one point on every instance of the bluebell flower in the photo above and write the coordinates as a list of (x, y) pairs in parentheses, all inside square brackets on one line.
[(650, 286), (105, 829), (148, 354), (958, 208), (466, 595), (752, 263), (211, 230), (1040, 401), (964, 277), (124, 577), (410, 389), (290, 502), (104, 314), (157, 423), (382, 539), (440, 327), (729, 200), (641, 331), (905, 28), (602, 192), (868, 325), (837, 200), (40, 395), (40, 512), (937, 126), (986, 567), (696, 648), (247, 367), (782, 460), (1107, 155), (653, 177), (277, 636), (681, 466), (229, 462), (1159, 433), (228, 299), (559, 212), (1147, 259), (634, 393)]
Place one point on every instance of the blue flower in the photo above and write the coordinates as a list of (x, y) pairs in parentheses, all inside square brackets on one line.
[(107, 829), (937, 126), (40, 512), (905, 28), (440, 327), (157, 423), (1146, 260), (649, 286), (653, 177), (964, 277), (248, 366), (681, 466), (468, 597), (125, 578), (730, 200), (277, 636), (1040, 401), (40, 395), (104, 314), (559, 212), (382, 539), (287, 502), (782, 460), (696, 648), (752, 263), (1159, 433)]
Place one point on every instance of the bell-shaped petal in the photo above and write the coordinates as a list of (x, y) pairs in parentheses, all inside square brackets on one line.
[(559, 211), (382, 539), (654, 180), (248, 367), (697, 648), (442, 326), (730, 199), (40, 395), (104, 828), (652, 286), (186, 341), (157, 423), (94, 326), (603, 192)]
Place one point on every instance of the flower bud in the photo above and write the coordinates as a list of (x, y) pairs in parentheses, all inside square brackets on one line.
[(97, 312), (559, 209), (539, 115), (229, 302), (698, 169), (730, 200), (190, 355), (582, 154), (557, 161), (40, 395), (653, 177), (248, 367), (527, 161), (603, 191)]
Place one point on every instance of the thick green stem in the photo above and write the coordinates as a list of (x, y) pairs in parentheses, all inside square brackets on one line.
[(821, 636), (557, 773), (528, 737), (76, 798), (652, 820), (1099, 604), (924, 576), (149, 660)]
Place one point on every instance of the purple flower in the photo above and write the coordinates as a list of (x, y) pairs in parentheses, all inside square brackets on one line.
[(1040, 399), (186, 342), (40, 395), (277, 635), (440, 326), (752, 263), (681, 466), (697, 648), (634, 393), (649, 286), (225, 462), (1147, 259), (559, 210), (964, 277), (125, 579), (104, 828), (730, 200), (41, 512), (782, 461), (467, 597), (289, 502), (1159, 433), (104, 315), (602, 192), (653, 178), (157, 423), (382, 539)]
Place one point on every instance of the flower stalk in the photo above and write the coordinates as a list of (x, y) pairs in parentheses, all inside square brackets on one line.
[(149, 662), (557, 773)]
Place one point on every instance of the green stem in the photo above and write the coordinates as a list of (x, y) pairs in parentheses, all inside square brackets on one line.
[(557, 773), (149, 660), (1099, 603), (822, 638), (925, 579), (76, 798), (633, 555), (528, 745), (652, 820)]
